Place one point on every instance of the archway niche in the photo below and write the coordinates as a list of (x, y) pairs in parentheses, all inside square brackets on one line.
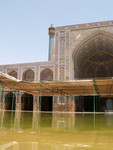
[(27, 102), (10, 101), (46, 101), (13, 73), (28, 75), (93, 58), (46, 74)]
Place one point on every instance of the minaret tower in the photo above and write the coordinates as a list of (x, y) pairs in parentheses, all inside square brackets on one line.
[(51, 41)]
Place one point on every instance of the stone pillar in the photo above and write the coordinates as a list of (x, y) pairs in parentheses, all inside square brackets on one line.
[(18, 101), (71, 104), (35, 103), (55, 103)]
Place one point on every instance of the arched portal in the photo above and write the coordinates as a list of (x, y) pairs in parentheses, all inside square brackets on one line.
[(28, 75), (10, 101), (46, 74), (46, 101), (27, 102), (13, 73), (93, 58)]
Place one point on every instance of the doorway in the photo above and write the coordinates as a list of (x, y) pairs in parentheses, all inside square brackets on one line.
[(46, 103)]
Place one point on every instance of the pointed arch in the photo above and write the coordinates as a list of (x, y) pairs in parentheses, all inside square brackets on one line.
[(9, 103), (27, 102), (46, 74), (13, 73), (28, 75)]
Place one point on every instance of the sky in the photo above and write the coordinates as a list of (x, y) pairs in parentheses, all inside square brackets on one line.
[(24, 24)]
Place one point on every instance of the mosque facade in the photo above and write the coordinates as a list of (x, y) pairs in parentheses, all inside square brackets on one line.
[(75, 52)]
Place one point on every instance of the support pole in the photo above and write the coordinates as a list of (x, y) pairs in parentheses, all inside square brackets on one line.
[(2, 99), (13, 99), (40, 107), (23, 107), (40, 97), (94, 99), (0, 95), (94, 106), (53, 100), (28, 102), (67, 102), (61, 102)]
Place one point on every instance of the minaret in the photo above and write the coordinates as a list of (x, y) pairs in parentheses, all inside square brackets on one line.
[(51, 41)]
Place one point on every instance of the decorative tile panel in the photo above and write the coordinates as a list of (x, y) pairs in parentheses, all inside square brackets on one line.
[(61, 71), (62, 62), (62, 48), (56, 72), (61, 99), (37, 73), (56, 48), (67, 55), (62, 33), (26, 68)]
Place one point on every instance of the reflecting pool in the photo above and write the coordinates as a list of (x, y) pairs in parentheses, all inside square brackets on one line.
[(55, 131)]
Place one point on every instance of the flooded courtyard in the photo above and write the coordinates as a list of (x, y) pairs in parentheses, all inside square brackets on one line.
[(55, 131)]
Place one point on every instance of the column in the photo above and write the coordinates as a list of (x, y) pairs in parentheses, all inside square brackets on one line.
[(71, 104), (35, 103), (18, 101)]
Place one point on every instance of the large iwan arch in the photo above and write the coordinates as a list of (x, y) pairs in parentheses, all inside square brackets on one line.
[(93, 57)]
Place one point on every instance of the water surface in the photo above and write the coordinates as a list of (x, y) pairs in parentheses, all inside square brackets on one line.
[(55, 131)]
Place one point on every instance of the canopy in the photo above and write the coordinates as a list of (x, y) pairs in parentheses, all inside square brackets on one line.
[(91, 87)]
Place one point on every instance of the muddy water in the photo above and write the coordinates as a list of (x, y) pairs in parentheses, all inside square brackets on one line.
[(57, 131)]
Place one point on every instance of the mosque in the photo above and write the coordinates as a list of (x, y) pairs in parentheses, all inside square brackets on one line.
[(82, 51)]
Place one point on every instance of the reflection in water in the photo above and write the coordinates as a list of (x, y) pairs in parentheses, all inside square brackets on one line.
[(23, 120), (65, 131), (37, 146), (109, 120), (1, 118), (63, 120), (16, 125), (26, 120), (35, 120)]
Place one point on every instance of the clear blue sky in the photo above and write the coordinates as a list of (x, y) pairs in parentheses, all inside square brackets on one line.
[(24, 24)]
